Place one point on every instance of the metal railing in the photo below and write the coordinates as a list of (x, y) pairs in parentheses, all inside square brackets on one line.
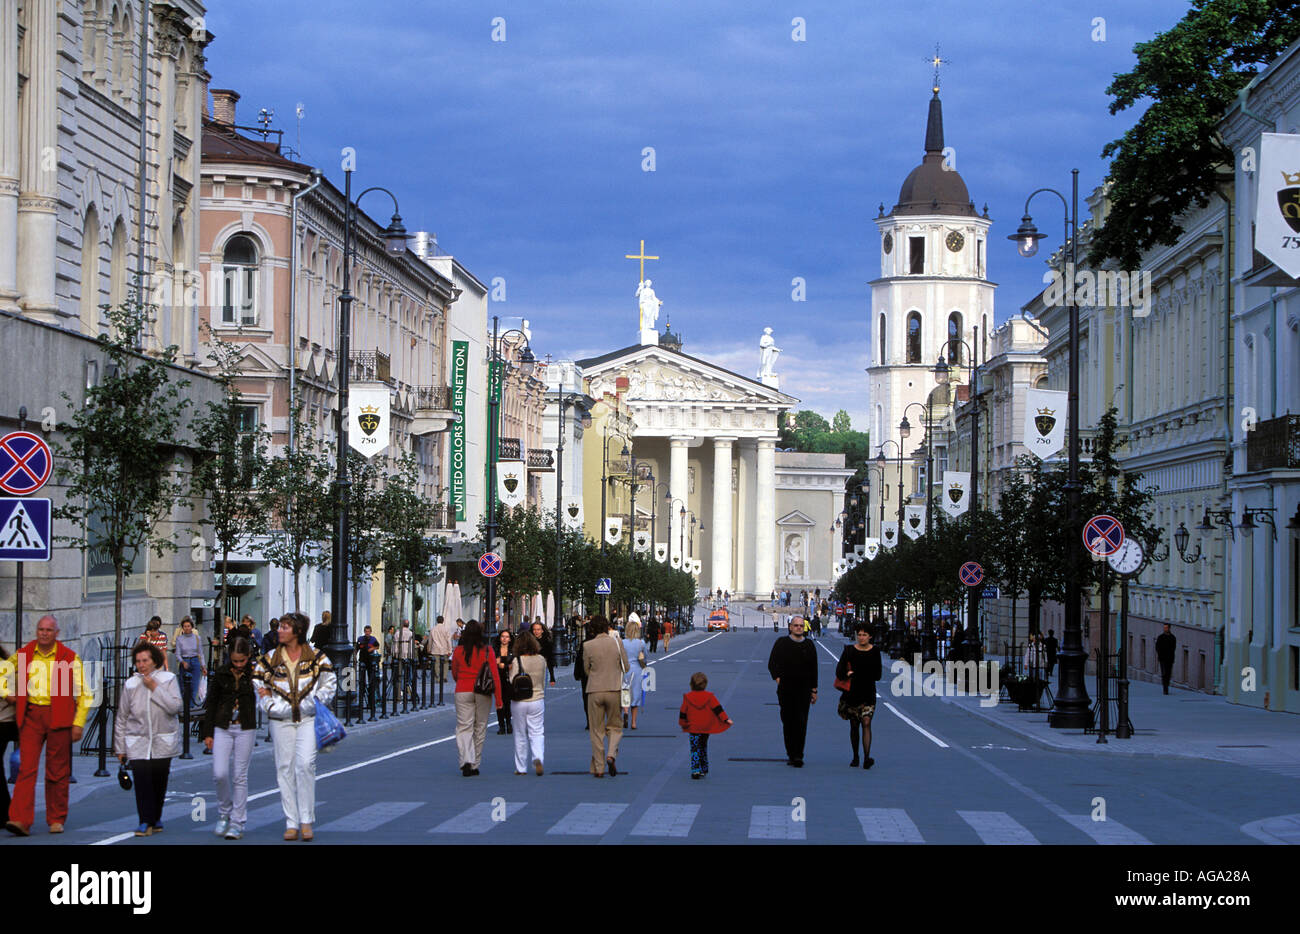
[(369, 366), (433, 397), (1274, 444), (512, 449), (541, 459)]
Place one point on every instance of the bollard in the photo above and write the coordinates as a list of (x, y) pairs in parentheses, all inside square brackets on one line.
[(383, 690), (424, 685), (185, 716)]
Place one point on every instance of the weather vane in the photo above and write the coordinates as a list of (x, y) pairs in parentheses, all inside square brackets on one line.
[(936, 62)]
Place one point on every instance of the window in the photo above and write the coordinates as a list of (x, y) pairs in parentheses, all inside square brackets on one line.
[(90, 273), (880, 360), (246, 428), (916, 255), (914, 337), (117, 285), (239, 282), (940, 461), (954, 339), (979, 268)]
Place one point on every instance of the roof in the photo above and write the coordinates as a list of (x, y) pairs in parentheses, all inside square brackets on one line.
[(932, 187), (222, 143), (633, 348)]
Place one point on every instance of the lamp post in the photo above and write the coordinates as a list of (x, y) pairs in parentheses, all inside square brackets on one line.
[(882, 462), (905, 429), (941, 372), (1071, 708), (495, 379), (681, 525), (605, 480), (339, 649), (557, 625)]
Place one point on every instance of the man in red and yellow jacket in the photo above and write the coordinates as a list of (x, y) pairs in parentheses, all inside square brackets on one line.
[(51, 701)]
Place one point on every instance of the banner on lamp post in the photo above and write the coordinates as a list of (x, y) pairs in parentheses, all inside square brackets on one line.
[(888, 534), (871, 549), (511, 482), (661, 552), (571, 512), (1277, 210), (1046, 413), (641, 541), (614, 529), (368, 415), (913, 521), (956, 492), (459, 380)]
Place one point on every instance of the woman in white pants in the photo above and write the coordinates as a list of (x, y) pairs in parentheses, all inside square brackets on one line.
[(228, 730), (291, 679), (528, 712)]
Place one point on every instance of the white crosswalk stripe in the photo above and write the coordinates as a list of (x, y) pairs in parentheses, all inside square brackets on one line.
[(479, 818), (588, 819), (998, 828), (1107, 832), (258, 817), (666, 820), (372, 816), (887, 825), (775, 822)]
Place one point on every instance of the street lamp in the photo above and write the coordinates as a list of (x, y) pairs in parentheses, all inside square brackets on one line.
[(1072, 702), (973, 373), (681, 525), (882, 462), (1180, 541), (605, 481), (495, 380), (339, 648), (557, 625), (1265, 515), (905, 429)]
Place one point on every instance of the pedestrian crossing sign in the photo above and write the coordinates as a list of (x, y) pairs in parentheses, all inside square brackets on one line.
[(24, 529)]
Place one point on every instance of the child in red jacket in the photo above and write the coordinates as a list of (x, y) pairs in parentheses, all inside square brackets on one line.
[(701, 715)]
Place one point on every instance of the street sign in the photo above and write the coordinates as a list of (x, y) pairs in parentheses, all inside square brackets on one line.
[(490, 564), (25, 463), (990, 593), (1102, 535), (971, 574), (24, 530), (602, 586)]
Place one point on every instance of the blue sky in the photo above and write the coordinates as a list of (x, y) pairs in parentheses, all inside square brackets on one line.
[(771, 155)]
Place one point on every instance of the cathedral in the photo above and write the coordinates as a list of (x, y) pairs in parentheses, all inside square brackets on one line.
[(933, 299)]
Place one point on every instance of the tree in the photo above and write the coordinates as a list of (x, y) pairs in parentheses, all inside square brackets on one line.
[(298, 499), (840, 423), (407, 549), (122, 449), (1173, 156), (368, 516), (230, 463)]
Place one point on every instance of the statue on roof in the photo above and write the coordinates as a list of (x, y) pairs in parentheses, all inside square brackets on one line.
[(767, 353), (649, 303)]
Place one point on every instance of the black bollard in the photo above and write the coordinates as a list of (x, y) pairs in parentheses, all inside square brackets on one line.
[(185, 716)]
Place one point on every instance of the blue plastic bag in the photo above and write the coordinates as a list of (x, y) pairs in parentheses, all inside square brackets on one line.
[(328, 729), (13, 764)]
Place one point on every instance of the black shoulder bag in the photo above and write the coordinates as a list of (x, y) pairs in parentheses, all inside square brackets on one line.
[(521, 685)]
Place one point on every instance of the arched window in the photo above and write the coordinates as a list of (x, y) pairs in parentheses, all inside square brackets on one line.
[(914, 337), (880, 360), (90, 273), (117, 284), (954, 339), (984, 338), (239, 282)]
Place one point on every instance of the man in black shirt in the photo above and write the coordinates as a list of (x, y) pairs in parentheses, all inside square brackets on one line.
[(793, 666), (1053, 649), (1165, 645)]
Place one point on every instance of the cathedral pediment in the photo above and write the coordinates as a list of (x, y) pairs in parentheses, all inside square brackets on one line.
[(657, 375)]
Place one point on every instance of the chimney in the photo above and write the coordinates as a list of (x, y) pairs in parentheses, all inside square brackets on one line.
[(223, 105)]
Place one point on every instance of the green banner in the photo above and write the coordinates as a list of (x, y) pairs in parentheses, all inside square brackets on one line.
[(459, 374)]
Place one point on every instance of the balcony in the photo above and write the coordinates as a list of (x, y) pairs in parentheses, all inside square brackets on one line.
[(369, 366), (433, 412), (444, 517), (1274, 444), (510, 449), (541, 460)]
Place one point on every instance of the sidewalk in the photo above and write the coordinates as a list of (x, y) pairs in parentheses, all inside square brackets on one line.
[(1183, 723)]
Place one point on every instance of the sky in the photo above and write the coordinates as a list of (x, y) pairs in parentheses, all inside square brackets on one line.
[(771, 156)]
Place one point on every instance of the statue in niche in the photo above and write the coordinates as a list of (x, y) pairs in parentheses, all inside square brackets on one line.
[(767, 354), (793, 559)]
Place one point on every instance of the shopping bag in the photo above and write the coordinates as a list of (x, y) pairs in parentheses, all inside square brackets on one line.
[(201, 694), (328, 729)]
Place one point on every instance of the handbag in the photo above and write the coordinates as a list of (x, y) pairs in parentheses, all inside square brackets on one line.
[(328, 729), (484, 683), (521, 685), (842, 684), (640, 659), (625, 697), (201, 694), (123, 777)]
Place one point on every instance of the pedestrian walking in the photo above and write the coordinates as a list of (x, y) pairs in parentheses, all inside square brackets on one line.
[(147, 733), (323, 634), (188, 649), (545, 648), (229, 729), (367, 669), (793, 666), (634, 650), (290, 681), (1034, 660), (404, 650), (474, 698), (580, 671), (1166, 644), (605, 662), (154, 635), (438, 643), (8, 726), (528, 702), (50, 712), (859, 667), (504, 645), (668, 633), (272, 637), (701, 716), (1053, 646), (652, 634)]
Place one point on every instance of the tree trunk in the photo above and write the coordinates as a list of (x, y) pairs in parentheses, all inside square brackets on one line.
[(1035, 607), (221, 603), (297, 573)]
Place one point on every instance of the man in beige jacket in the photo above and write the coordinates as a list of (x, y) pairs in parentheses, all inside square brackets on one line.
[(438, 643), (605, 661)]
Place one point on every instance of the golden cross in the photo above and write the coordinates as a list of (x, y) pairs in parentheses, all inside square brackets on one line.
[(936, 62), (642, 257)]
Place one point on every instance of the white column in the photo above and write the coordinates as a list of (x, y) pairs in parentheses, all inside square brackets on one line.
[(9, 156), (678, 486), (765, 520), (721, 551), (744, 520), (37, 198)]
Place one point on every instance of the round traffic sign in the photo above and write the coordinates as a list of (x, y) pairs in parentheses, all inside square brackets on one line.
[(971, 574), (25, 463), (1102, 535), (489, 565)]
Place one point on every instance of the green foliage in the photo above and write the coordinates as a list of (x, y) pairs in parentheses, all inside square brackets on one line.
[(406, 519), (812, 434), (1172, 157), (120, 453), (840, 423)]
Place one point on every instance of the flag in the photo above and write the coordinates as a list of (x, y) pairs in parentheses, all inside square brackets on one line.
[(888, 534), (1277, 210), (956, 492), (571, 513), (914, 521), (661, 552), (368, 414), (1046, 412), (511, 482), (871, 549), (614, 529), (641, 541)]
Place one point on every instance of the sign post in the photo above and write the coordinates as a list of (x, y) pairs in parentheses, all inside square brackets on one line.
[(25, 464)]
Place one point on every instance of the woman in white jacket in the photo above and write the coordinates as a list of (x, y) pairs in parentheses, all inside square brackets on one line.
[(146, 733), (290, 680)]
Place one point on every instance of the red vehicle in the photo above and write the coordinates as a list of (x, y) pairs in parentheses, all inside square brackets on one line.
[(719, 620)]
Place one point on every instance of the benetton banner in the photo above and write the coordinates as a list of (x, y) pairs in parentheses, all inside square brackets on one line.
[(459, 374)]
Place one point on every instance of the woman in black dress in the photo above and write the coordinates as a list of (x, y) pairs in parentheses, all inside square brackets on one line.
[(860, 666), (505, 653)]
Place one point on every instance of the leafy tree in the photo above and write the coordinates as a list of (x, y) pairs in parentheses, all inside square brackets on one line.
[(229, 464), (121, 451), (840, 423), (1172, 157), (407, 550), (368, 517), (298, 499)]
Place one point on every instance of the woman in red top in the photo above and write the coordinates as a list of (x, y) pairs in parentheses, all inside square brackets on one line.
[(701, 714), (472, 708), (154, 635)]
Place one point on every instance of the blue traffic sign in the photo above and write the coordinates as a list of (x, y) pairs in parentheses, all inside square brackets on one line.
[(25, 463), (24, 530), (1103, 535), (489, 565), (971, 574), (602, 586)]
